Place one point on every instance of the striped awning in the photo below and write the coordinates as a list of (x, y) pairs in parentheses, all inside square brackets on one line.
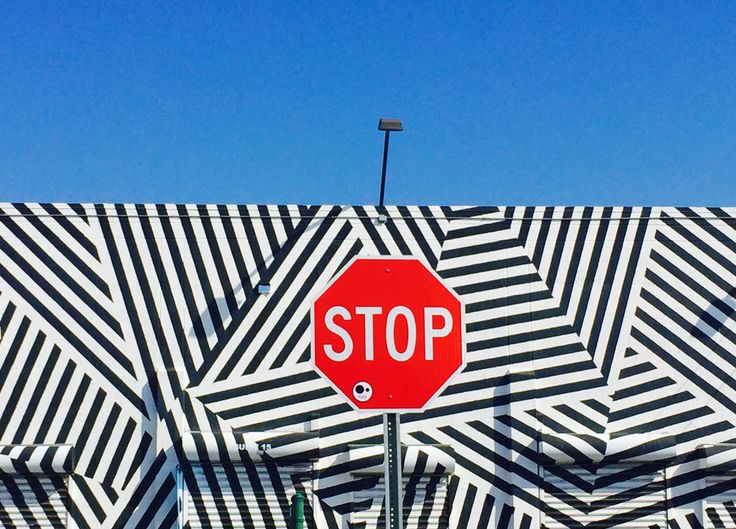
[(36, 459), (259, 447)]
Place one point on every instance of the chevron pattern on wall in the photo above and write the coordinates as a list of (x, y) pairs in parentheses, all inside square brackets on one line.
[(145, 383)]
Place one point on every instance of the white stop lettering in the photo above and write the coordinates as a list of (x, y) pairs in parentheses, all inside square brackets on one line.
[(431, 333)]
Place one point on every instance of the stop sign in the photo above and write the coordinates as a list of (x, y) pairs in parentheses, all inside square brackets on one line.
[(387, 333)]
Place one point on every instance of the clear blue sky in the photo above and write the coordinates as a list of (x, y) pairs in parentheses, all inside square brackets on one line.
[(261, 102)]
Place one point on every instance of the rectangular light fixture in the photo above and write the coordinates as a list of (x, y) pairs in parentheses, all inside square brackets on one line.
[(393, 125)]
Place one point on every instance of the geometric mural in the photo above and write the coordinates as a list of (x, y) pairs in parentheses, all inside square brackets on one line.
[(144, 381)]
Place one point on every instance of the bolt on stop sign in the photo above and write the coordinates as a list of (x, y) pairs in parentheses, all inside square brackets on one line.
[(387, 333)]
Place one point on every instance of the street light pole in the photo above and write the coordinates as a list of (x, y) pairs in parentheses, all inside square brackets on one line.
[(387, 125), (392, 464)]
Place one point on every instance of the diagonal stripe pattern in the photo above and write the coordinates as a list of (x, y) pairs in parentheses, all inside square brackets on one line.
[(592, 334)]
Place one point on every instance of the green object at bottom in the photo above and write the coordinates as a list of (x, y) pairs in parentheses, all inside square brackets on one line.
[(296, 520)]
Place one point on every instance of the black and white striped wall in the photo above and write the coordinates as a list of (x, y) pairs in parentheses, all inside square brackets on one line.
[(144, 381)]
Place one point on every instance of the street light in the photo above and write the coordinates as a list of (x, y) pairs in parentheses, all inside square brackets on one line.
[(391, 423), (387, 125)]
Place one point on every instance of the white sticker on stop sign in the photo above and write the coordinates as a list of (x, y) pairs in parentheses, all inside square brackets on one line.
[(387, 333)]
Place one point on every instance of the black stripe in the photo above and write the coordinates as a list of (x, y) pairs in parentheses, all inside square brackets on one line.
[(217, 259), (560, 243), (19, 386), (467, 507), (575, 258), (117, 458), (234, 245), (88, 496), (71, 229), (78, 262), (141, 490), (202, 279), (608, 280), (89, 422), (370, 228), (625, 296), (154, 505), (267, 222), (542, 236), (419, 238), (41, 385)]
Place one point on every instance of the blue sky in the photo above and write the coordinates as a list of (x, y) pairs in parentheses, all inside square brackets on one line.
[(538, 103)]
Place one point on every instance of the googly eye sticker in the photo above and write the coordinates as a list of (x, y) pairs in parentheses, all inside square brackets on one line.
[(362, 391)]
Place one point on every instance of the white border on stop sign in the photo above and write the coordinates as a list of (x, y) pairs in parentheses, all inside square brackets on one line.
[(463, 348)]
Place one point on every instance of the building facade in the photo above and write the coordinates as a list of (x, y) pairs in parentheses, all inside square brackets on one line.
[(145, 381)]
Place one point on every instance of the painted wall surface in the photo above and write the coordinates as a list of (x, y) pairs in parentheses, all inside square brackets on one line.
[(601, 347)]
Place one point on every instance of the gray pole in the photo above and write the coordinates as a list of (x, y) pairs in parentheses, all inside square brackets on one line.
[(383, 168), (386, 125), (392, 471)]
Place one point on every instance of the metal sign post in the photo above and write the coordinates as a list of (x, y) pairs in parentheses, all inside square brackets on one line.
[(392, 471)]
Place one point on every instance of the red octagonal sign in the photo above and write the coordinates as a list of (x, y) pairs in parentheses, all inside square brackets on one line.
[(387, 333)]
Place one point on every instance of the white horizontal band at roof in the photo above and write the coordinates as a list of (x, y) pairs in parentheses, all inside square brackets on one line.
[(260, 447), (417, 459), (36, 459), (569, 449)]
